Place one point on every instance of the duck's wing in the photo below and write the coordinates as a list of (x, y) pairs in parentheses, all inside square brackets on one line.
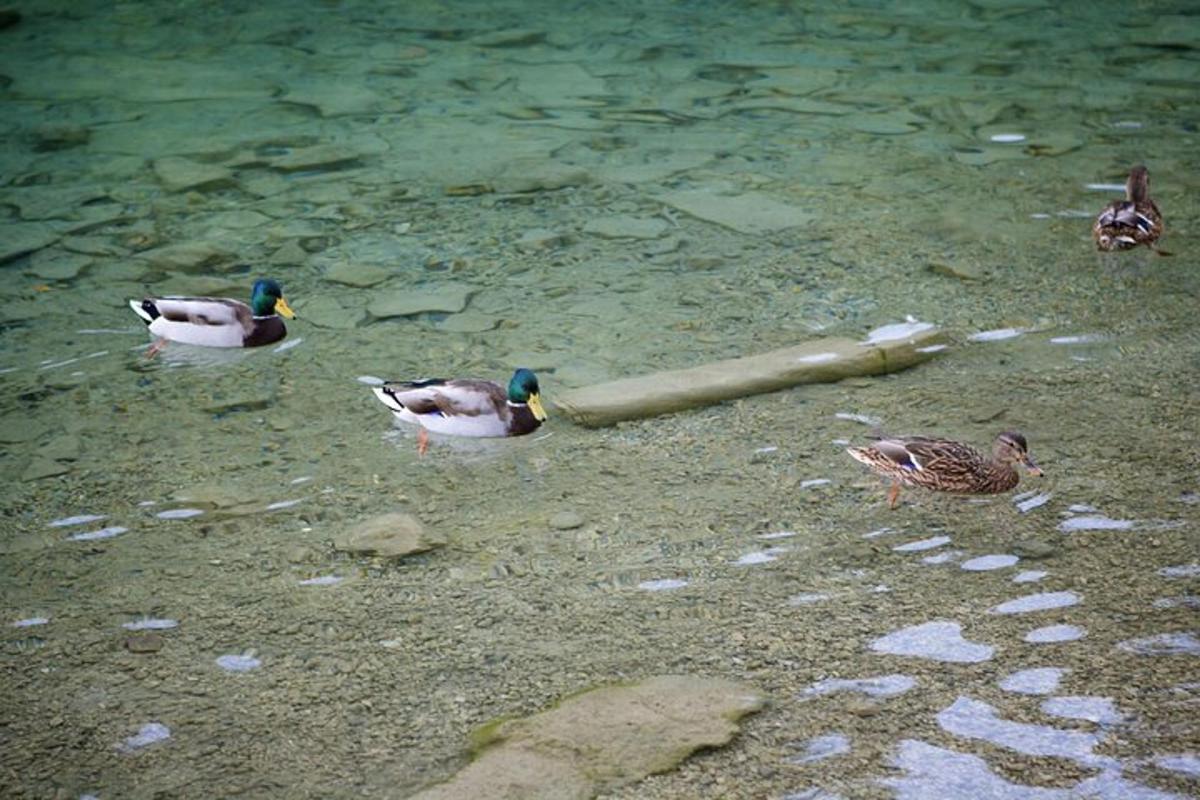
[(203, 310), (919, 453), (449, 398)]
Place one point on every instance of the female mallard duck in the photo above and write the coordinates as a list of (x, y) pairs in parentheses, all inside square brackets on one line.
[(1124, 224), (947, 466), (218, 321), (466, 407)]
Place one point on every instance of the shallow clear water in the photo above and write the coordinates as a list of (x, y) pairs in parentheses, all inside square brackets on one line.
[(554, 167)]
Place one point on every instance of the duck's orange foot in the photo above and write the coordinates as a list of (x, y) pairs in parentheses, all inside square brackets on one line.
[(422, 441), (156, 348), (893, 496)]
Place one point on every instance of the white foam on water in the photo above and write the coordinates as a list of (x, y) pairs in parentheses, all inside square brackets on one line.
[(370, 380), (322, 580), (148, 734), (811, 482), (238, 662), (276, 506), (179, 513), (768, 449), (760, 556), (1097, 522), (880, 686), (922, 544), (1105, 187), (103, 533), (301, 479), (818, 358), (1187, 763), (662, 584), (878, 532), (1127, 123), (865, 419), (1030, 576), (820, 748), (1079, 338), (1052, 634), (944, 557), (1039, 215), (1164, 644), (1042, 601), (150, 624), (288, 345), (78, 519), (806, 598), (1038, 680), (974, 719), (1030, 503), (898, 330), (1007, 138), (1181, 601), (30, 622), (933, 348), (940, 640), (1181, 571), (1100, 710), (777, 535), (988, 563), (1081, 508), (998, 335), (934, 772)]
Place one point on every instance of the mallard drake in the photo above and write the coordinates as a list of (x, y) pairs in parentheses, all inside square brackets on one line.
[(466, 407), (945, 465), (1124, 224), (218, 321)]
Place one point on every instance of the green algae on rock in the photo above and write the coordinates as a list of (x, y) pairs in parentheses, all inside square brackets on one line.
[(602, 739)]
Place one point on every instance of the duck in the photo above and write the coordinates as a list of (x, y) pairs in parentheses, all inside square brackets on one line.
[(1124, 224), (945, 465), (217, 321), (466, 406)]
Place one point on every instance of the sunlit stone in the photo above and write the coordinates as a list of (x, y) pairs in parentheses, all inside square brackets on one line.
[(322, 580), (998, 335), (78, 519), (1026, 503), (150, 624), (938, 640), (1164, 644), (1100, 710), (944, 557), (933, 772), (234, 662), (1181, 571), (179, 513), (662, 584), (30, 622), (1051, 634), (806, 598), (1043, 601), (103, 533), (148, 734), (974, 719), (1039, 680), (881, 686), (922, 544), (1030, 576), (988, 563), (820, 748), (1094, 523)]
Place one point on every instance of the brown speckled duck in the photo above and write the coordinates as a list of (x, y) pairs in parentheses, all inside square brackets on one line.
[(1124, 224), (944, 465)]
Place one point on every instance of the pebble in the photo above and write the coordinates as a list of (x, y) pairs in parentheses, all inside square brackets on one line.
[(566, 521)]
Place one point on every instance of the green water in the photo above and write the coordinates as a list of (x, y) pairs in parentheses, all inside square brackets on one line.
[(537, 155)]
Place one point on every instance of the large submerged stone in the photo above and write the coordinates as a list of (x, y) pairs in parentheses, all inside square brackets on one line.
[(602, 739), (390, 535)]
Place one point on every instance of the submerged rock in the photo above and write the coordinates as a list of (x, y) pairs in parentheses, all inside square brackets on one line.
[(602, 739), (177, 173), (390, 535), (450, 297)]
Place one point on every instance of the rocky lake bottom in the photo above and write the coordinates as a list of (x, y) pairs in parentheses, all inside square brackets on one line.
[(230, 572)]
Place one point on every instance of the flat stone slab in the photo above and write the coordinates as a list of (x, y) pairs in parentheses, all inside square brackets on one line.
[(359, 275), (748, 212), (449, 297), (179, 174), (601, 740), (25, 237), (328, 312), (390, 535), (626, 227)]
